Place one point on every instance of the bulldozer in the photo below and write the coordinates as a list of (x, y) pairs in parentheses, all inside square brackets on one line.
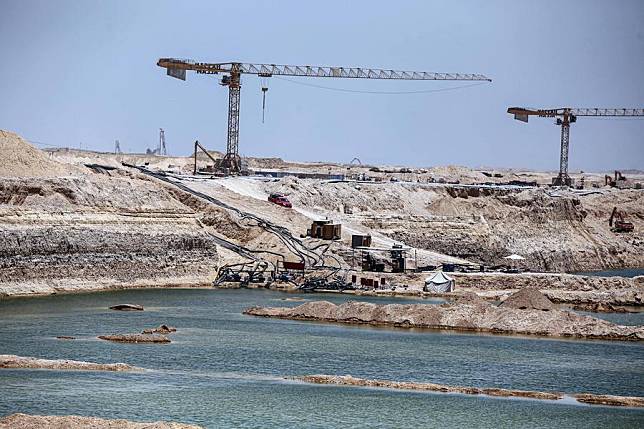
[(617, 222)]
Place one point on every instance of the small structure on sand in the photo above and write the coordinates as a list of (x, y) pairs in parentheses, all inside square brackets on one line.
[(514, 257), (439, 282), (325, 229)]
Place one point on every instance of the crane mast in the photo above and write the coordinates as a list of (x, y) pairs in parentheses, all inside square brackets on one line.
[(232, 71), (564, 117)]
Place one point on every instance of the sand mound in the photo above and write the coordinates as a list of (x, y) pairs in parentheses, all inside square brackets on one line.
[(20, 159), (470, 298), (528, 299)]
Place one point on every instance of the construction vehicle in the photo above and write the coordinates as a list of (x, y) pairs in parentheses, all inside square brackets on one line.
[(617, 222), (245, 274), (609, 181), (280, 200), (203, 149), (564, 117), (232, 71)]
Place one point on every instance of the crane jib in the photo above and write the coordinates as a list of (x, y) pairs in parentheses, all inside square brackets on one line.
[(267, 70), (231, 163), (576, 111)]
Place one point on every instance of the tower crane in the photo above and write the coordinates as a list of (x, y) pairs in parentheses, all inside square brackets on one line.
[(564, 117), (162, 148), (231, 78)]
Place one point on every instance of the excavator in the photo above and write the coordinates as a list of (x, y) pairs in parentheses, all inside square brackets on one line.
[(620, 225), (609, 181)]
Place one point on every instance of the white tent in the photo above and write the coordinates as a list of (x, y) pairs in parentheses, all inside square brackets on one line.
[(439, 282), (515, 257)]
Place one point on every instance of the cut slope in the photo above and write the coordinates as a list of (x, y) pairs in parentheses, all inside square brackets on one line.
[(19, 158)]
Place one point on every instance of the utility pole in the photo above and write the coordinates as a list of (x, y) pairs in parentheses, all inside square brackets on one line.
[(162, 149)]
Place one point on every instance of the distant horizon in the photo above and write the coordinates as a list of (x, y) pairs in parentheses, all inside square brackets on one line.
[(474, 168)]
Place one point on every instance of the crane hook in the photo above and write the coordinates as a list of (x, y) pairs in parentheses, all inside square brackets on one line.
[(264, 91)]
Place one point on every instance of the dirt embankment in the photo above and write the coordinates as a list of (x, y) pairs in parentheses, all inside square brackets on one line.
[(19, 158), (25, 421), (476, 317), (21, 362), (103, 229), (589, 398), (559, 288), (88, 231), (593, 293)]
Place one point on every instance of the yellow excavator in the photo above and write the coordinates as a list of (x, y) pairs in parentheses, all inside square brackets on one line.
[(617, 222)]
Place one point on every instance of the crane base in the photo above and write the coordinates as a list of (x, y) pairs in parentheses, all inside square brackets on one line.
[(563, 181)]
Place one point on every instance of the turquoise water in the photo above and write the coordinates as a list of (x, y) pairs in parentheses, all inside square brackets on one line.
[(224, 369), (619, 318), (628, 272)]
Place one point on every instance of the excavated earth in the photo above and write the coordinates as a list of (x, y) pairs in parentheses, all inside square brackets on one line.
[(68, 228), (555, 231), (584, 292), (21, 362), (589, 398), (25, 421), (478, 317), (65, 227), (594, 293), (89, 232)]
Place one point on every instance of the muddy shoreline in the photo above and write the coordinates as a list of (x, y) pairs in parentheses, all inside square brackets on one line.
[(587, 398), (56, 290), (26, 362), (584, 293), (19, 420)]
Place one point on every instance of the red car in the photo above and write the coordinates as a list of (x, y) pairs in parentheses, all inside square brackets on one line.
[(280, 200)]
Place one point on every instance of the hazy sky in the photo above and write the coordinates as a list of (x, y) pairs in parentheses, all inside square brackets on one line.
[(85, 71)]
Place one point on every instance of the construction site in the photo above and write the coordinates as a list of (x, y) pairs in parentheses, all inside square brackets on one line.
[(494, 251), (213, 219), (317, 215)]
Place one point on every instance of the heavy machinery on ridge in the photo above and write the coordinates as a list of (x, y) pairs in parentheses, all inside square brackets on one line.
[(617, 222)]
